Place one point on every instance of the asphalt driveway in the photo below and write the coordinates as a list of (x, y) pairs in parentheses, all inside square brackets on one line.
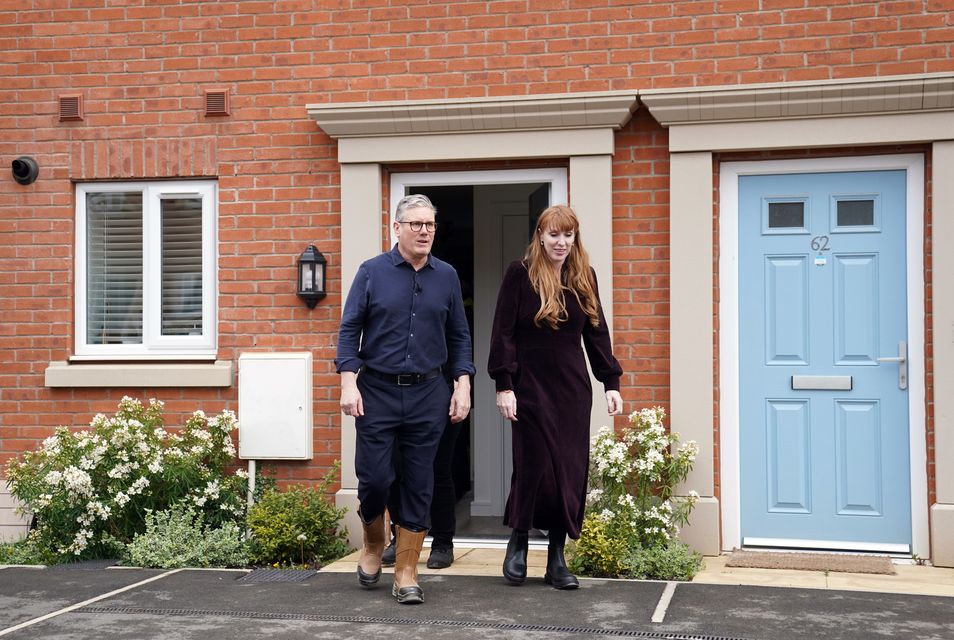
[(97, 602)]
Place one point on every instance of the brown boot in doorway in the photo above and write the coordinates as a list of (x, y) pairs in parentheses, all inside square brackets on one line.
[(369, 564), (409, 544)]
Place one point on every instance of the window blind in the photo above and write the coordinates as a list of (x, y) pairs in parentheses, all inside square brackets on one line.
[(114, 268), (181, 266)]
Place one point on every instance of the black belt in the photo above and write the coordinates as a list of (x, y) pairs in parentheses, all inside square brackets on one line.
[(402, 379)]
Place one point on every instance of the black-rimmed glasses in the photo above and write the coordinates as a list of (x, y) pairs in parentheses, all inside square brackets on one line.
[(417, 225)]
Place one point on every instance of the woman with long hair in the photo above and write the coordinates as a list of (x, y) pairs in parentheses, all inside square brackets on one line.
[(548, 311)]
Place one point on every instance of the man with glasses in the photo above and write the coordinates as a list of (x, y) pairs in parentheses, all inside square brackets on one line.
[(403, 328)]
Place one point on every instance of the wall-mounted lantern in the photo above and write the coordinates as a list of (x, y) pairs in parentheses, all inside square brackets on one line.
[(311, 276)]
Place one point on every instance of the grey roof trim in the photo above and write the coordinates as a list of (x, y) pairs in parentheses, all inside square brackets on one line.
[(782, 101), (523, 113)]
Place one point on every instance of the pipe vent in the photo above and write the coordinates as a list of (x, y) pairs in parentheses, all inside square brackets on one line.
[(71, 107), (217, 103)]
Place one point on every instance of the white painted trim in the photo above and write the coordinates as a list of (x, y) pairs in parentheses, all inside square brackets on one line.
[(153, 345), (557, 177), (729, 334), (826, 544)]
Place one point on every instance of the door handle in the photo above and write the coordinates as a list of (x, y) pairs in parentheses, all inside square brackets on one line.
[(902, 360)]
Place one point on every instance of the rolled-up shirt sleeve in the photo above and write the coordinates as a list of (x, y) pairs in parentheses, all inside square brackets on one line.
[(352, 324)]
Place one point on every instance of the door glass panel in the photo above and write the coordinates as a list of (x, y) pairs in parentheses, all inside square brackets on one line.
[(784, 215), (855, 213)]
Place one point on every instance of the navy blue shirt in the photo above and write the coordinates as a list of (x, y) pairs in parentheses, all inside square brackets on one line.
[(398, 320)]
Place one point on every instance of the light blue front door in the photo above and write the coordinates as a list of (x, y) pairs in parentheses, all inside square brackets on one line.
[(824, 423)]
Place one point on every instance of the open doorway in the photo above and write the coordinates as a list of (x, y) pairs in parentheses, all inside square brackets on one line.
[(485, 221)]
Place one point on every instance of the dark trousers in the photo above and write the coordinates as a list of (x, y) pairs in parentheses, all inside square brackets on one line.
[(410, 420), (444, 502)]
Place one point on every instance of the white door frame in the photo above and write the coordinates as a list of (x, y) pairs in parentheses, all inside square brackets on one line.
[(488, 431), (555, 176), (729, 323)]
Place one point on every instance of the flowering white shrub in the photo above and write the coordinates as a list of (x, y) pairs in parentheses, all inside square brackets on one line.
[(91, 490), (631, 506)]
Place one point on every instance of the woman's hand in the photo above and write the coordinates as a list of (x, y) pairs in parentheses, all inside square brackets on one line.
[(507, 405), (614, 403)]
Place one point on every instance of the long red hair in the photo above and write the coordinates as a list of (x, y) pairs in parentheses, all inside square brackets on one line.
[(576, 270)]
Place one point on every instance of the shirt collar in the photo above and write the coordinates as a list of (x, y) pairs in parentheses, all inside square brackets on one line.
[(397, 259)]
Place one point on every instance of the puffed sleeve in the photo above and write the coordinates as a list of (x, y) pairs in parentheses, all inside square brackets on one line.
[(599, 348), (502, 363)]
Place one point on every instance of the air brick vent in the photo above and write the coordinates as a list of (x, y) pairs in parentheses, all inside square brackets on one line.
[(216, 103), (71, 107)]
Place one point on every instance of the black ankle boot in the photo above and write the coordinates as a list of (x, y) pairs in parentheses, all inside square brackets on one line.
[(515, 562), (557, 574)]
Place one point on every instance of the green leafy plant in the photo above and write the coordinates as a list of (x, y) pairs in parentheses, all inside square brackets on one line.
[(21, 552), (673, 560), (91, 490), (633, 515), (179, 537), (298, 526)]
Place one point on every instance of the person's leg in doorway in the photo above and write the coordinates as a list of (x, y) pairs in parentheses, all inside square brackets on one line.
[(444, 502)]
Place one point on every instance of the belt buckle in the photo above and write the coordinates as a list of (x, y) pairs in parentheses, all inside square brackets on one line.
[(401, 377)]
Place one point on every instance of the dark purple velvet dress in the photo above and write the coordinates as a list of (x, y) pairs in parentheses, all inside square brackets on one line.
[(546, 370)]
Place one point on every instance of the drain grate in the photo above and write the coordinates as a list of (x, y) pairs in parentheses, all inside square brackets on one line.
[(277, 575), (311, 617)]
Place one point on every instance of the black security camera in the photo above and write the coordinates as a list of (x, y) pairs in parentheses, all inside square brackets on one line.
[(25, 170)]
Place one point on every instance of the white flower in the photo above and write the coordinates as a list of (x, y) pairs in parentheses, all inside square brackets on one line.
[(53, 478), (211, 490), (139, 485), (301, 537), (241, 473), (121, 499), (77, 481)]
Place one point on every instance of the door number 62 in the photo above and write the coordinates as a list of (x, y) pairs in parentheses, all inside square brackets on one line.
[(820, 243)]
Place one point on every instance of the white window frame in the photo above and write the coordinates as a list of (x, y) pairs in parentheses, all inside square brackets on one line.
[(154, 346)]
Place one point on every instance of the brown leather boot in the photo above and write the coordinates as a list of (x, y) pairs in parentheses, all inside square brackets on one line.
[(409, 545), (369, 564)]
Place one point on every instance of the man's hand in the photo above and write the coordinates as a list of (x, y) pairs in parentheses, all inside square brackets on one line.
[(351, 403), (460, 400)]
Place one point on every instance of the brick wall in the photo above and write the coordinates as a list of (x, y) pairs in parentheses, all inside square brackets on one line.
[(142, 68)]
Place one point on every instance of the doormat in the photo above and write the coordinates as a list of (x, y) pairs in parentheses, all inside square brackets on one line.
[(848, 563)]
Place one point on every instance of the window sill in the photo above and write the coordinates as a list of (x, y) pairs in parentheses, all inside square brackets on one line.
[(64, 374)]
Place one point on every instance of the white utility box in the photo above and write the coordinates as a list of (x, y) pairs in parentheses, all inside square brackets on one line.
[(274, 406)]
